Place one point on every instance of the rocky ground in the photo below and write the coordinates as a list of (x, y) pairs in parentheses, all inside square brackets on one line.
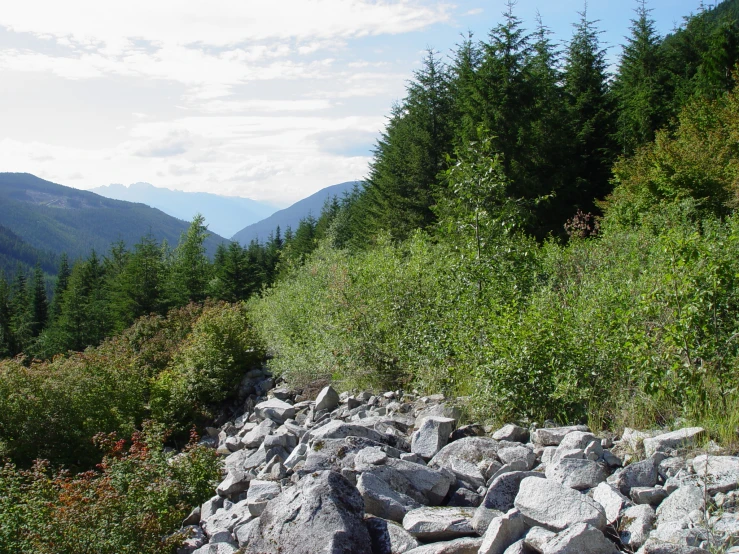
[(394, 473)]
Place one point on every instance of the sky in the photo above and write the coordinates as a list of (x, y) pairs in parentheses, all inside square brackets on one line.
[(270, 100)]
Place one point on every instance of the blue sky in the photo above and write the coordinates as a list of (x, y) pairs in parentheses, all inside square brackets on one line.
[(268, 100)]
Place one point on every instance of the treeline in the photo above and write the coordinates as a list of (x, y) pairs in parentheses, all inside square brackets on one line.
[(99, 297), (555, 118)]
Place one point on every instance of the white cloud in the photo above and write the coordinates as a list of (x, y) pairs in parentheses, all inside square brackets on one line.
[(175, 143)]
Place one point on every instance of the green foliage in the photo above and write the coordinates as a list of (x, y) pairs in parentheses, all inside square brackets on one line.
[(208, 366), (134, 503)]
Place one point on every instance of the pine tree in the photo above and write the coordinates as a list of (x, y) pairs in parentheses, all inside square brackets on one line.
[(62, 281), (231, 275), (6, 338), (21, 317), (590, 113), (640, 87), (190, 268), (39, 303)]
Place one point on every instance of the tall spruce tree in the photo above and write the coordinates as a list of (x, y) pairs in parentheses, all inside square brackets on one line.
[(6, 338), (62, 282), (21, 317), (640, 87), (190, 271), (591, 117), (39, 303)]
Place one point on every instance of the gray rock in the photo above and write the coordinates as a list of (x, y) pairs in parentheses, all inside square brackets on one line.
[(502, 532), (193, 538), (210, 507), (648, 495), (465, 431), (518, 547), (458, 546), (370, 456), (259, 493), (612, 500), (482, 518), (503, 490), (463, 454), (511, 432), (244, 531), (520, 453), (722, 472), (389, 537), (338, 429), (438, 410), (670, 467), (464, 498), (577, 474), (336, 454), (217, 548), (432, 436), (639, 474), (673, 440), (537, 537), (580, 537), (226, 519), (680, 503), (579, 440), (636, 523), (653, 546), (382, 501), (438, 524), (555, 506), (327, 399), (322, 514), (235, 482), (275, 409), (554, 435)]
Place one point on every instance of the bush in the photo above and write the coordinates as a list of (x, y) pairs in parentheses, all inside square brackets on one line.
[(207, 367), (133, 504)]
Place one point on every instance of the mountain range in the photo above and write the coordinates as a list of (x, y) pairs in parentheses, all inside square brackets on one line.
[(291, 216), (224, 215), (50, 218)]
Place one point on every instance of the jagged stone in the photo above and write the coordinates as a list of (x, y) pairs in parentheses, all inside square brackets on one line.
[(552, 436), (639, 474), (502, 532), (503, 490), (322, 514), (276, 410), (577, 474), (438, 524), (612, 500), (438, 410), (235, 482), (432, 436), (680, 503), (537, 537), (670, 441), (580, 537), (464, 545), (388, 537), (382, 501), (511, 432), (636, 523), (648, 495), (327, 399), (518, 453), (259, 493), (653, 546), (555, 506)]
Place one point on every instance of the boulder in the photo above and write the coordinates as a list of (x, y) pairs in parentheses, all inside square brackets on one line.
[(275, 409), (636, 523), (653, 546), (438, 524), (259, 493), (518, 453), (511, 432), (648, 495), (322, 514), (482, 518), (673, 440), (388, 537), (639, 474), (611, 500), (555, 506), (577, 474), (438, 410), (552, 436), (502, 532), (457, 546), (382, 501), (503, 490), (680, 503), (537, 537), (722, 472), (432, 436), (579, 538), (236, 481), (327, 399)]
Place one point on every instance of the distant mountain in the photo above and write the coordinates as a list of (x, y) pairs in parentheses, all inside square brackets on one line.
[(224, 215), (291, 216), (54, 218)]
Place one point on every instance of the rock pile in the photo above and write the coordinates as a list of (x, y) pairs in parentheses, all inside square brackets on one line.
[(394, 473)]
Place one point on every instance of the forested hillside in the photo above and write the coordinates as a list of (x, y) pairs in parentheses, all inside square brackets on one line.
[(543, 239), (58, 219)]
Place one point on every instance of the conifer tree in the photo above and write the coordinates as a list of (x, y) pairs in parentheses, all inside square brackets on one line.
[(62, 281), (6, 339), (190, 269), (590, 113), (21, 317), (640, 87), (39, 304)]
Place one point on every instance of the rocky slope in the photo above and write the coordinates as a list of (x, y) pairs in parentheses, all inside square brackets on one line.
[(395, 474)]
